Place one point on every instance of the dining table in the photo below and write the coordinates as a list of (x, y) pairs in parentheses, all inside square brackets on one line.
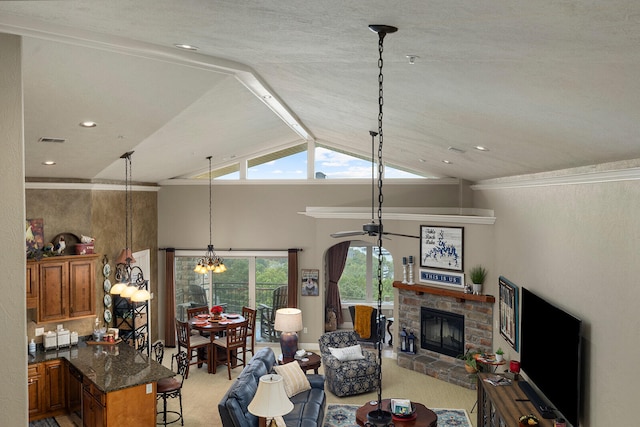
[(207, 324)]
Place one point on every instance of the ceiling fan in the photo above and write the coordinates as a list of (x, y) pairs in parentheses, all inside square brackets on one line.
[(372, 228)]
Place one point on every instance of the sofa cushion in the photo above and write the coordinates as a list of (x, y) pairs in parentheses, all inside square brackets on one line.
[(345, 354), (295, 380)]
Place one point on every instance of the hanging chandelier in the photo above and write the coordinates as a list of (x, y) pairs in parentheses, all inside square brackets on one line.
[(379, 416), (131, 283), (210, 261)]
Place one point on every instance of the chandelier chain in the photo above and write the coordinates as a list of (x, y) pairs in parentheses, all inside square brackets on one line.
[(210, 205)]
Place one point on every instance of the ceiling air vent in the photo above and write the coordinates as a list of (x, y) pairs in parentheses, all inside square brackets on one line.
[(48, 139)]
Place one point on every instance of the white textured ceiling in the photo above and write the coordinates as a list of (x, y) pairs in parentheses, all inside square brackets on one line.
[(545, 85)]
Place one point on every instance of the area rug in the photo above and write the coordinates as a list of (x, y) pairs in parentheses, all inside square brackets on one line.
[(345, 416), (47, 422)]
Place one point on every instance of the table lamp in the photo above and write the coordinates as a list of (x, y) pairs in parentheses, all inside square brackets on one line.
[(289, 322), (271, 399)]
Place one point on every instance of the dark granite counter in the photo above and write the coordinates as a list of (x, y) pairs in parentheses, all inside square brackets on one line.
[(109, 367)]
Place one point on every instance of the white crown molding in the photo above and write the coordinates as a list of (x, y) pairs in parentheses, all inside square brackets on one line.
[(631, 174), (86, 186), (440, 215)]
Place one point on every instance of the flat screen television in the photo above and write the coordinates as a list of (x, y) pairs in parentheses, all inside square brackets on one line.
[(550, 353)]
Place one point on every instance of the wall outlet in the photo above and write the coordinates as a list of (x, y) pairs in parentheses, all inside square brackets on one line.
[(149, 388), (304, 330), (39, 331)]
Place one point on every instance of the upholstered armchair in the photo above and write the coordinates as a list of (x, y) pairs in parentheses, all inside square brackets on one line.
[(347, 377)]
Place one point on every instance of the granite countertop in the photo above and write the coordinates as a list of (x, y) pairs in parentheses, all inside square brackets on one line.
[(109, 367)]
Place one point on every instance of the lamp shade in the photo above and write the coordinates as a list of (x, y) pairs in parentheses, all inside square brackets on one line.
[(118, 288), (128, 291), (124, 254), (141, 295), (288, 320), (271, 399)]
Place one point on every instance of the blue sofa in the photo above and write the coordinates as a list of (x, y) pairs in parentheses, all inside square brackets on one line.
[(308, 408)]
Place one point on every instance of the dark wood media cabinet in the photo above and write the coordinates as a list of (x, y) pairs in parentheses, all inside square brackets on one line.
[(498, 406)]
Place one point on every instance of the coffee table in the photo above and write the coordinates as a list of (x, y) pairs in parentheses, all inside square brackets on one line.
[(425, 416), (314, 361)]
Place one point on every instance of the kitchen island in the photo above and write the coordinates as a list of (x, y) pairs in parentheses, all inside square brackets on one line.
[(109, 385)]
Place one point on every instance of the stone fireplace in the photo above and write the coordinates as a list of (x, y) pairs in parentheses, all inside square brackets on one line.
[(458, 316)]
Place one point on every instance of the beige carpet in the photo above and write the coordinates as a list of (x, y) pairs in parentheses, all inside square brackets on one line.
[(203, 391)]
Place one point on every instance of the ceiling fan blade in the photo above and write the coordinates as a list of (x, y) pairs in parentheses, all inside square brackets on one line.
[(348, 233), (400, 235)]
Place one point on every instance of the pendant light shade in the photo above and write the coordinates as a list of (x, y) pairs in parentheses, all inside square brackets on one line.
[(127, 286), (210, 261)]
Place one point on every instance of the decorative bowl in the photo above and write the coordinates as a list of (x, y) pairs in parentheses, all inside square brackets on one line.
[(528, 420)]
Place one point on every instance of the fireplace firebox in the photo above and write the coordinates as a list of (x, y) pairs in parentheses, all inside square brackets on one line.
[(441, 331)]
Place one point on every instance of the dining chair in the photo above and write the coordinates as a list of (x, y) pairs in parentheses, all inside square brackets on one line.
[(193, 312), (170, 388), (157, 349), (193, 343), (234, 343), (250, 315)]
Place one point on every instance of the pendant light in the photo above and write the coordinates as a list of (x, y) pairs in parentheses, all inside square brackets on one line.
[(210, 261), (380, 417), (127, 286)]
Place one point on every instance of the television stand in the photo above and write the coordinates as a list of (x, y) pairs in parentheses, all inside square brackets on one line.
[(545, 411), (503, 405)]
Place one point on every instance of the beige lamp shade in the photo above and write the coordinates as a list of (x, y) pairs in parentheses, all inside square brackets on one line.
[(288, 320), (271, 399), (128, 291), (141, 295), (118, 288)]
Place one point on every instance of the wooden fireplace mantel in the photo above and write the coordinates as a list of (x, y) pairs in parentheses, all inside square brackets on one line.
[(420, 289)]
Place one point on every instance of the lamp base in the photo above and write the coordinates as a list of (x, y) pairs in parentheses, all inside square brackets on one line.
[(288, 344)]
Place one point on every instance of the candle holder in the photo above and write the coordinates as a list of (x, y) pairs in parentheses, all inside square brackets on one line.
[(411, 282), (404, 273)]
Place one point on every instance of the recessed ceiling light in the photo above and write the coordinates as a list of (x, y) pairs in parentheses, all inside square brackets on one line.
[(481, 148), (186, 46), (48, 163), (88, 124), (412, 58), (447, 162), (423, 161), (456, 150)]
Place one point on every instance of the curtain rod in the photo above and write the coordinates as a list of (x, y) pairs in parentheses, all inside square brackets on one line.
[(231, 249)]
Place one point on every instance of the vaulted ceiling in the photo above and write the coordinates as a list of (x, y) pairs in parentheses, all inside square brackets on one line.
[(544, 85)]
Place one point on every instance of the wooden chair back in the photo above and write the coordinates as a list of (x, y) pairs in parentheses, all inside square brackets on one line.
[(250, 315)]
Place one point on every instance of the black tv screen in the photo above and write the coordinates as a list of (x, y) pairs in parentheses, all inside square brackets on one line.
[(550, 353)]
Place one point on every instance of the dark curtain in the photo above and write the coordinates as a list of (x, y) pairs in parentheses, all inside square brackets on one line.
[(170, 300), (337, 258), (292, 291)]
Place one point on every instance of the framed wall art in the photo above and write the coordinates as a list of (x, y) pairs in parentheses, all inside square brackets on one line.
[(310, 283), (508, 304), (441, 247)]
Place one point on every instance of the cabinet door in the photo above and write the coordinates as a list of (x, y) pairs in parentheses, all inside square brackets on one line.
[(81, 291), (35, 386), (32, 285), (53, 291), (74, 390), (54, 385)]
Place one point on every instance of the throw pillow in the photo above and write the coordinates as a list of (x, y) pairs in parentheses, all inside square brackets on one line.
[(344, 354), (295, 381)]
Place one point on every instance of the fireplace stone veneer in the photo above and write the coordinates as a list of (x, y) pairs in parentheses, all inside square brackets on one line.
[(478, 330)]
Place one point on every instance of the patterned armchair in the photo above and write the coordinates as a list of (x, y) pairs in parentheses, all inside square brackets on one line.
[(350, 377)]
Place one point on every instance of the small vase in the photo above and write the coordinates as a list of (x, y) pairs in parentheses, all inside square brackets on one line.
[(477, 288), (499, 357), (216, 316)]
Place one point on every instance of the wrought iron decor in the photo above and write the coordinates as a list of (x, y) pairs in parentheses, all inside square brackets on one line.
[(441, 247), (508, 311)]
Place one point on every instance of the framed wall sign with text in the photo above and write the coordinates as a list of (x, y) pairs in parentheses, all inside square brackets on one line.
[(441, 247), (443, 278), (310, 283)]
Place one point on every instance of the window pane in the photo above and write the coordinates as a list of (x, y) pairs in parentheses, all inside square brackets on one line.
[(353, 282), (231, 288), (337, 164), (270, 274), (290, 163), (191, 288)]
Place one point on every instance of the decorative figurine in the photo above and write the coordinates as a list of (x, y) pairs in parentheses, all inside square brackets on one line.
[(60, 246)]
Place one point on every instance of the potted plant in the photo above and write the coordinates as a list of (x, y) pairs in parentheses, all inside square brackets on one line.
[(470, 362), (499, 354), (478, 274)]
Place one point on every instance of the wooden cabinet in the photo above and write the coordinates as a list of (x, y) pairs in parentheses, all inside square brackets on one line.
[(35, 385), (93, 405), (33, 274), (501, 406), (65, 287), (47, 391)]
